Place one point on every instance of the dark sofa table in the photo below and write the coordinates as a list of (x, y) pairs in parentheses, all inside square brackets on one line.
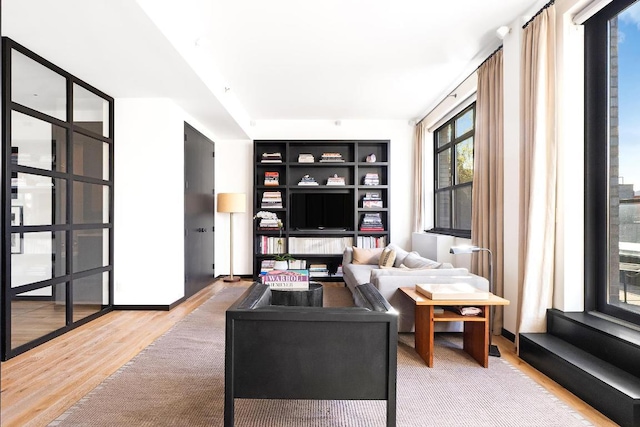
[(298, 297)]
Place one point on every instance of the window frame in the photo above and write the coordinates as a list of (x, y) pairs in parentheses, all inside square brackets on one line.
[(70, 176), (597, 159), (450, 189)]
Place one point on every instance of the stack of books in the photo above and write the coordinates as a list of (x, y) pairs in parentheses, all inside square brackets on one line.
[(269, 224), (267, 265), (318, 270), (272, 179), (271, 158), (372, 200), (371, 179), (307, 180), (297, 264), (335, 180), (331, 157), (371, 222), (271, 199), (288, 279), (306, 158)]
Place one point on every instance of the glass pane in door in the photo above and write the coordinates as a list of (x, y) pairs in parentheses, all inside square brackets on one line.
[(37, 144)]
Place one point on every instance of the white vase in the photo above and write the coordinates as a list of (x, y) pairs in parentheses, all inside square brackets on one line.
[(281, 265)]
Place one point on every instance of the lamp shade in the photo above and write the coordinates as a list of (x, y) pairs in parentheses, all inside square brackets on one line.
[(232, 202)]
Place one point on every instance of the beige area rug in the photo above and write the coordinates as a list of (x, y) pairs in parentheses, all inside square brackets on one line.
[(179, 381)]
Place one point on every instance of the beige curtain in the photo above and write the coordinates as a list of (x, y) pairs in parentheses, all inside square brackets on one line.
[(487, 211), (417, 217), (538, 172)]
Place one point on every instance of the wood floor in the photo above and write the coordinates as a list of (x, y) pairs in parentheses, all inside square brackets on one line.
[(39, 385)]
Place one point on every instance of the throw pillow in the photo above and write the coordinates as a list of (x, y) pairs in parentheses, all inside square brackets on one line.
[(387, 258), (400, 254), (366, 256), (414, 260)]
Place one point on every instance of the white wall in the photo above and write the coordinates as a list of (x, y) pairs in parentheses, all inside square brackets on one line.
[(149, 202), (234, 174)]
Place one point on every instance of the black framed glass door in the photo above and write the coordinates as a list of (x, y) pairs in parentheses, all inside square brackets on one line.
[(57, 228)]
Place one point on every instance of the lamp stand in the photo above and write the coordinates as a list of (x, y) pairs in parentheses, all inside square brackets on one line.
[(231, 278)]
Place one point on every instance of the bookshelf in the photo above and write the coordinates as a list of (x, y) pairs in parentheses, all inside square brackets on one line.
[(327, 194)]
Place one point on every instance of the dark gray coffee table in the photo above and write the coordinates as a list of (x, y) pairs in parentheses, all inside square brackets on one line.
[(299, 298)]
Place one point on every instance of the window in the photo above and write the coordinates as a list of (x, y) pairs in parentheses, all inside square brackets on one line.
[(612, 109), (453, 144)]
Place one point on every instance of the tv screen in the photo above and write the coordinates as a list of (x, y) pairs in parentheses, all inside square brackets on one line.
[(317, 211)]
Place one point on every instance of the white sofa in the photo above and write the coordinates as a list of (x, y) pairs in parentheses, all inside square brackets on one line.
[(409, 268)]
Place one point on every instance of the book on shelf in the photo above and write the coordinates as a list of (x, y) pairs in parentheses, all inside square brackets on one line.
[(306, 158), (271, 245), (335, 180), (269, 224), (372, 204), (371, 222), (331, 157), (272, 178), (464, 310), (271, 199), (271, 158), (318, 270), (297, 264), (372, 200), (286, 279), (267, 265), (451, 291), (371, 242), (371, 179), (307, 180)]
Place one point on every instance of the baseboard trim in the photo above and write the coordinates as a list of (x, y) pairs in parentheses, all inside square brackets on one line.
[(152, 307), (508, 335)]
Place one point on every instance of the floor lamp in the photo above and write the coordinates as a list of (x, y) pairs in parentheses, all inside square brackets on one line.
[(493, 349), (231, 203)]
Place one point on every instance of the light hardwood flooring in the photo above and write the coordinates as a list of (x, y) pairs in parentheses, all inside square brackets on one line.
[(39, 385)]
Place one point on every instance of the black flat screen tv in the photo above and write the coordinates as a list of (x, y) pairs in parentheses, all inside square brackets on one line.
[(321, 211)]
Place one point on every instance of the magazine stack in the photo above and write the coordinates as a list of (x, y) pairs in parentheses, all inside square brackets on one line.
[(331, 157), (306, 158), (307, 180), (371, 179), (271, 199), (271, 158), (272, 179), (371, 222), (372, 200)]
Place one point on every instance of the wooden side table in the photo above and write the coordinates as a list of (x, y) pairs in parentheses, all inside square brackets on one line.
[(476, 328)]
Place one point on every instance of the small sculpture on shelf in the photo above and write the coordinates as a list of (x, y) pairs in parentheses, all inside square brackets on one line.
[(371, 158)]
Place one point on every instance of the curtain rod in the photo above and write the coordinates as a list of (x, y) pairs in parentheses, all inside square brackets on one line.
[(483, 62), (490, 56), (538, 13)]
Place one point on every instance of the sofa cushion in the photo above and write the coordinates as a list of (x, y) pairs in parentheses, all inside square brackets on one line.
[(356, 274), (387, 258), (414, 260), (366, 256), (400, 254)]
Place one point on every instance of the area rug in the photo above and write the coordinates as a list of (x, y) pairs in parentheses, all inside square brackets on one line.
[(179, 381)]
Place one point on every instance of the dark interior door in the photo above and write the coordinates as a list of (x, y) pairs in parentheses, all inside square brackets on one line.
[(198, 210)]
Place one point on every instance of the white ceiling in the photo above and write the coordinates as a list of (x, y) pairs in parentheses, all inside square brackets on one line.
[(235, 61)]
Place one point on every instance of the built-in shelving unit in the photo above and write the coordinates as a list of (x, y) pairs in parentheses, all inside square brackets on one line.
[(349, 205)]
